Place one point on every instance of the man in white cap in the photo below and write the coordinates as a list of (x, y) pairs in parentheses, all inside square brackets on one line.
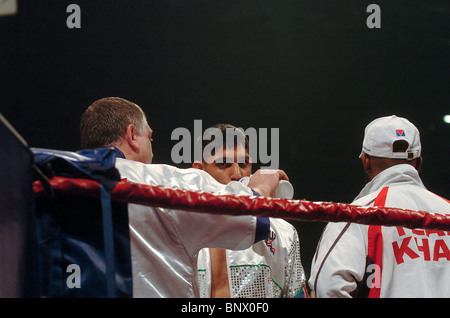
[(354, 260)]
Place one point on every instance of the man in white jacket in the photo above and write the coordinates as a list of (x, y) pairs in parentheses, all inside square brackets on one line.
[(165, 242), (354, 260)]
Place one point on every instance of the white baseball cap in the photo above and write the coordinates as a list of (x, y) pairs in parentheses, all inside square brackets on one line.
[(380, 135)]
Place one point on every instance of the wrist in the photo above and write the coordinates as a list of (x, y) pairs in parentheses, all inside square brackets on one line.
[(259, 192)]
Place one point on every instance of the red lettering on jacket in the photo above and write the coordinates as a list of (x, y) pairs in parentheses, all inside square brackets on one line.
[(429, 232), (441, 250), (424, 248), (403, 249), (424, 245)]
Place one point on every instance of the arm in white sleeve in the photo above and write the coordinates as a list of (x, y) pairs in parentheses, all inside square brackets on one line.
[(198, 230)]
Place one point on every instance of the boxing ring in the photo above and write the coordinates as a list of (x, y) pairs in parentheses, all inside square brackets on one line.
[(64, 208), (114, 250), (204, 202)]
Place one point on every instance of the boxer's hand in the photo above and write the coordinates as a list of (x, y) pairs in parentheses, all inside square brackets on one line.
[(265, 181)]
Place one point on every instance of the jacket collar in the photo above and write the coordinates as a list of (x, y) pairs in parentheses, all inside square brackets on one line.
[(398, 174)]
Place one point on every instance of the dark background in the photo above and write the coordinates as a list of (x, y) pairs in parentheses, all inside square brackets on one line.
[(311, 68)]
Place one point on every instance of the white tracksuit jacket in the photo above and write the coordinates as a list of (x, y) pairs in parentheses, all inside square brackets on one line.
[(354, 260), (269, 269), (165, 242)]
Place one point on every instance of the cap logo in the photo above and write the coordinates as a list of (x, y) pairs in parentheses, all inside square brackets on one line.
[(400, 132)]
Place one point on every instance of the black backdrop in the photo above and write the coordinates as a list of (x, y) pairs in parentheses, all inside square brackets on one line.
[(313, 69)]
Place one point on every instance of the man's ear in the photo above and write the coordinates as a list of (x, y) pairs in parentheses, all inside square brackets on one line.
[(198, 165), (130, 137), (418, 163), (367, 164)]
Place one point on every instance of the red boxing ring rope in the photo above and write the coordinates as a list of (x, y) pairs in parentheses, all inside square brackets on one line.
[(205, 202)]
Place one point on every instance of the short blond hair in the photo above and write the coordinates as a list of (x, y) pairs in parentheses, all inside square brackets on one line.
[(106, 120)]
